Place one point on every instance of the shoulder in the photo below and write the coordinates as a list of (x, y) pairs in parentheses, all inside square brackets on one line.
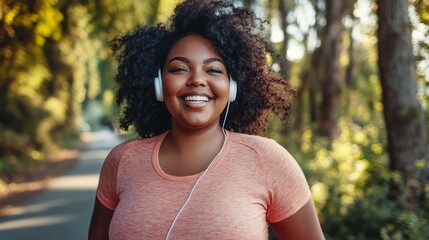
[(263, 146), (132, 145), (139, 142), (274, 159)]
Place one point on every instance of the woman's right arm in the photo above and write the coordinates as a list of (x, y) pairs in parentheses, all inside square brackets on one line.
[(100, 222)]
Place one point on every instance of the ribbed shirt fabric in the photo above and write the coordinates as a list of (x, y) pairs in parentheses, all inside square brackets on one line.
[(253, 182)]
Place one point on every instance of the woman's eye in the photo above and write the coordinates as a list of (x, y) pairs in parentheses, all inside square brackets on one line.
[(212, 70), (178, 69)]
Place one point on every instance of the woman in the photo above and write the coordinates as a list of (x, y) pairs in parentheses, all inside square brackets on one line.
[(194, 89)]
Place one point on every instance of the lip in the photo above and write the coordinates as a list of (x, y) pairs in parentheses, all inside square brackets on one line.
[(195, 93), (195, 104)]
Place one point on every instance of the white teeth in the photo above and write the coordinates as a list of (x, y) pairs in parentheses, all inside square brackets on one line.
[(197, 98)]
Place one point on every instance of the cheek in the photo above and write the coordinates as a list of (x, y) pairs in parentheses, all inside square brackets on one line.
[(221, 88), (170, 87)]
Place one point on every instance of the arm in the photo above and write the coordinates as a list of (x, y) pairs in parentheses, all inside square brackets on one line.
[(100, 222), (304, 224)]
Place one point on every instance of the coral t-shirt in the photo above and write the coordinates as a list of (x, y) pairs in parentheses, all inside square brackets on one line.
[(252, 183)]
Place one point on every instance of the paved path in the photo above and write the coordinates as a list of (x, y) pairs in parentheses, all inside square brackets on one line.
[(63, 210)]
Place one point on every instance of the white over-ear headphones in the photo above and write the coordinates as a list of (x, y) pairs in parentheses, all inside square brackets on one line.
[(158, 87), (232, 89), (157, 82)]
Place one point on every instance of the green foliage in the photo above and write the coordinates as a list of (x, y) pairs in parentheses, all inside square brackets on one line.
[(352, 186), (356, 195), (377, 216), (32, 109), (54, 59), (26, 119), (21, 143)]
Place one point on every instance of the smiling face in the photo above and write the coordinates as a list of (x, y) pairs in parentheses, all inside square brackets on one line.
[(195, 83)]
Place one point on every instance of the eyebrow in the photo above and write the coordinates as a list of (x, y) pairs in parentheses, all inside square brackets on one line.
[(186, 60), (183, 59), (209, 60)]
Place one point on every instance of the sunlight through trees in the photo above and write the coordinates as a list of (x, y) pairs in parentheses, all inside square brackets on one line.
[(361, 87)]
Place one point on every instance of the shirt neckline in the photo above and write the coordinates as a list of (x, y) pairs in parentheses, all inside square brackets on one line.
[(161, 173)]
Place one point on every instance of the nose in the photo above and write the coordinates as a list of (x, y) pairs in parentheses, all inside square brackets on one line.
[(196, 79)]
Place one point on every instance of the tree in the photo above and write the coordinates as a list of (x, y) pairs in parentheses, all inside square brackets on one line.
[(349, 69), (284, 63), (406, 133), (331, 47)]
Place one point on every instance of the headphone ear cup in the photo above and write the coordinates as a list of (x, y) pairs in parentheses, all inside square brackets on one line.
[(157, 82), (232, 90)]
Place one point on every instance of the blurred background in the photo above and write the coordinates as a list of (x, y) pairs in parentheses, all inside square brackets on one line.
[(358, 128)]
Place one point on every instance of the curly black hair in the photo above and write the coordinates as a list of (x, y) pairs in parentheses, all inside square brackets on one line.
[(238, 36)]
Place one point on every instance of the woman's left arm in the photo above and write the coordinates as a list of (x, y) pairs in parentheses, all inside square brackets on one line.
[(100, 222), (302, 225)]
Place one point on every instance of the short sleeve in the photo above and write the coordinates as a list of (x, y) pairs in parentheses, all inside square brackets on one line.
[(287, 187), (106, 190)]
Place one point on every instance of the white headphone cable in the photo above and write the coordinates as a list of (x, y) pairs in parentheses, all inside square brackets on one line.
[(195, 185), (226, 114)]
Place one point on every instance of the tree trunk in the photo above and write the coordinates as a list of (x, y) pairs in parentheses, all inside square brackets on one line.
[(314, 73), (332, 83), (284, 63), (303, 89), (314, 80), (349, 70), (406, 133)]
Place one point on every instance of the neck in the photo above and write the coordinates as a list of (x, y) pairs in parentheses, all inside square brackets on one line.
[(185, 141), (186, 152)]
